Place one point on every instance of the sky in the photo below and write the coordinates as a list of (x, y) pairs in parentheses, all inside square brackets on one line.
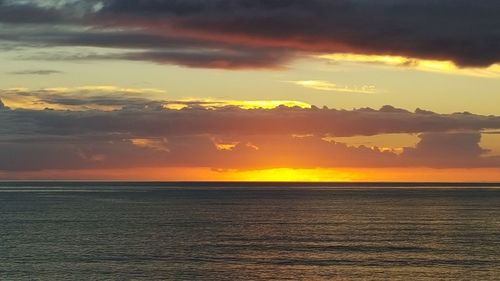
[(250, 90)]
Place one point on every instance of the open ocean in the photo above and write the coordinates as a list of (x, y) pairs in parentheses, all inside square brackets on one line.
[(126, 231)]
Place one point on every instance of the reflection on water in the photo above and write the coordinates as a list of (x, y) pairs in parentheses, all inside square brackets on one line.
[(154, 233)]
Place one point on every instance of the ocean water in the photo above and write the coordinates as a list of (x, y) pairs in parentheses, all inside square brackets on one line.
[(155, 232)]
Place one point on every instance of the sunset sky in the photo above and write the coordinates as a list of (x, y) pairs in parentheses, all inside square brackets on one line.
[(250, 90)]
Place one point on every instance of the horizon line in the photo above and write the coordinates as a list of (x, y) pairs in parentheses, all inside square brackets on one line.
[(262, 183)]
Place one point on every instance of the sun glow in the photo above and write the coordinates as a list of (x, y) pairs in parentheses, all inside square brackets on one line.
[(270, 175), (294, 175), (243, 104)]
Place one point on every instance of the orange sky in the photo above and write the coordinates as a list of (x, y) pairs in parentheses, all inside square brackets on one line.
[(283, 174)]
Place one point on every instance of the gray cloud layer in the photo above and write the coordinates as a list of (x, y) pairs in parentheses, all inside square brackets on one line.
[(149, 118)]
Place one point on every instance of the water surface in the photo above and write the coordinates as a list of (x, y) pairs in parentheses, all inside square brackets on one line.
[(154, 232)]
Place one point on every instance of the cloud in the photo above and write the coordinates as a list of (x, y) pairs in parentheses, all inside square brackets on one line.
[(81, 98), (106, 98), (36, 72), (437, 66), (224, 59), (328, 86), (459, 31), (47, 11), (132, 110), (450, 150), (145, 132), (156, 144), (12, 12), (233, 34), (250, 152), (161, 49)]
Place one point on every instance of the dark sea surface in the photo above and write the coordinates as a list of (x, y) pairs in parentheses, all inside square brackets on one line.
[(51, 231)]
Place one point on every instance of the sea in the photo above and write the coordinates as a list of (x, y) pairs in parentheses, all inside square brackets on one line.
[(258, 231)]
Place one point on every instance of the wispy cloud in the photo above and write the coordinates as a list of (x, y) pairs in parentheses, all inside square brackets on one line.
[(36, 72), (322, 85)]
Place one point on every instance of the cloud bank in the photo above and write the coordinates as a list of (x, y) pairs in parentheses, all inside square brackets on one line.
[(149, 133)]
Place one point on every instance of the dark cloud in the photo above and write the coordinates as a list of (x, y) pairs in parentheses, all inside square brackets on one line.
[(226, 59), (190, 52), (46, 12), (449, 150), (233, 33), (26, 13), (463, 31), (106, 38), (142, 116), (155, 121)]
